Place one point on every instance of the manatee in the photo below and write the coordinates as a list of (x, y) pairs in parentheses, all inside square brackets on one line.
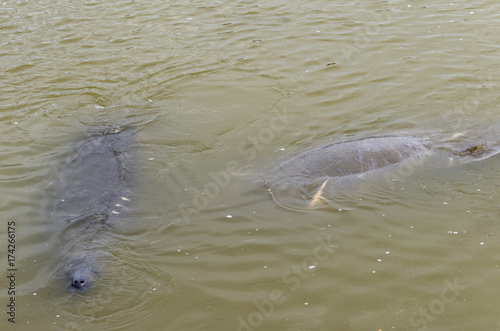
[(91, 195), (355, 156), (310, 171)]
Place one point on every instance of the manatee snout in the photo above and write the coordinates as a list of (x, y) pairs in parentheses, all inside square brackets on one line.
[(81, 274), (80, 280)]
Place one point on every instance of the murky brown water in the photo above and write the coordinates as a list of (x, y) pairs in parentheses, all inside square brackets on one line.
[(219, 94)]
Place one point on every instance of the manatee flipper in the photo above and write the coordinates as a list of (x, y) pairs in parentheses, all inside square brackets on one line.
[(318, 196)]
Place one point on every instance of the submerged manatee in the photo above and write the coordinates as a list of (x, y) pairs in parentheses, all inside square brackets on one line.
[(355, 156), (305, 175), (93, 188)]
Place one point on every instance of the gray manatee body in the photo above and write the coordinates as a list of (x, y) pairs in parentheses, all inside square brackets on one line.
[(92, 192), (355, 157), (334, 166)]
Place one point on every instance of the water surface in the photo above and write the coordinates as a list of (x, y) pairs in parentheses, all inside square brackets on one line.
[(221, 92)]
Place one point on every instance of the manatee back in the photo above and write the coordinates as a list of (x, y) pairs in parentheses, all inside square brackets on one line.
[(331, 170), (353, 157), (93, 181)]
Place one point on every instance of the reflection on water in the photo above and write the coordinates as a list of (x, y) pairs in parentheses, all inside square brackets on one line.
[(220, 94)]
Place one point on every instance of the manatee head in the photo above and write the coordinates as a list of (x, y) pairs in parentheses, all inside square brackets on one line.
[(82, 278), (80, 273)]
